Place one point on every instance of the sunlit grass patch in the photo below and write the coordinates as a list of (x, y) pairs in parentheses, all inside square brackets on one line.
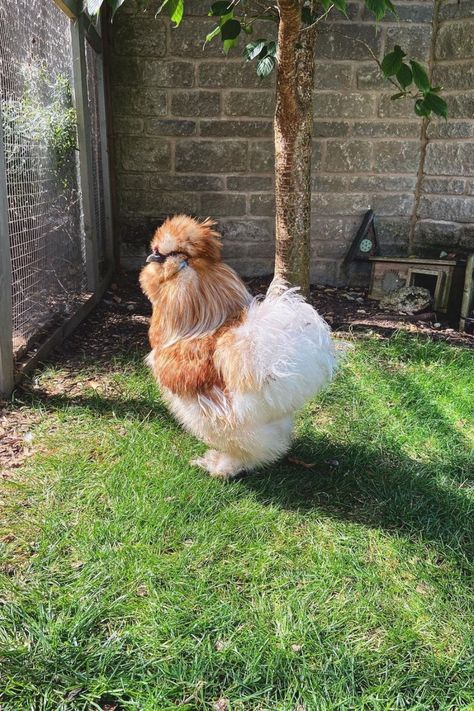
[(136, 580)]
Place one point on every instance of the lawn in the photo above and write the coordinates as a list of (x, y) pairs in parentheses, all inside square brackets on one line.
[(134, 581)]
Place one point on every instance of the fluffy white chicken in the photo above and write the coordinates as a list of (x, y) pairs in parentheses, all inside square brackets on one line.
[(232, 369)]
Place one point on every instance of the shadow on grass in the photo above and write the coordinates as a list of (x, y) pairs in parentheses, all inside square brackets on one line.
[(387, 490), (376, 483), (372, 482)]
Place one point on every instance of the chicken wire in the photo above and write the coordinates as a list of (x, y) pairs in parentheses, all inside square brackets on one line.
[(46, 233)]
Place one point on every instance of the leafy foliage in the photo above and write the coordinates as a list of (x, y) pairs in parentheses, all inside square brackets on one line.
[(43, 115), (408, 76)]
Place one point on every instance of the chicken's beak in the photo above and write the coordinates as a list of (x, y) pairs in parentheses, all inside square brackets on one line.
[(154, 258)]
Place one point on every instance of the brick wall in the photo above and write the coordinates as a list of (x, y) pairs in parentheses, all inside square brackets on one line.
[(193, 133)]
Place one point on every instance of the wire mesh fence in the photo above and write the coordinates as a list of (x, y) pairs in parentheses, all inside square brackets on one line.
[(39, 130), (49, 224)]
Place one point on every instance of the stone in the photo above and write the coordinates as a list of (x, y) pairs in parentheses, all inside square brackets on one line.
[(127, 125), (329, 129), (450, 208), (231, 74), (396, 156), (455, 9), (144, 154), (455, 41), (194, 155), (454, 76), (327, 75), (170, 127), (384, 129), (443, 185), (155, 204), (351, 105), (196, 103), (152, 72), (421, 12), (231, 129), (139, 101), (187, 183), (187, 41), (456, 158), (223, 204), (370, 77), (342, 42), (140, 37), (250, 183), (246, 103), (261, 156), (451, 129), (398, 108), (348, 156), (416, 41), (263, 204), (408, 300), (248, 231)]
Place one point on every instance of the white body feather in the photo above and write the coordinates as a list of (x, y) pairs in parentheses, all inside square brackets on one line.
[(283, 354)]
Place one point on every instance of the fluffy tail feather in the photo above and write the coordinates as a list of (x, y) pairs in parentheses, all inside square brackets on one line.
[(283, 350)]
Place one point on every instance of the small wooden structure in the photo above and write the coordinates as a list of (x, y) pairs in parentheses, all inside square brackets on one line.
[(436, 275)]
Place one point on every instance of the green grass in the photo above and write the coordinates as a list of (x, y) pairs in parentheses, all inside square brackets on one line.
[(136, 580)]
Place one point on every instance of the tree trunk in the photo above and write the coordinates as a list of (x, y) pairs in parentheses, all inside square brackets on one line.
[(293, 145)]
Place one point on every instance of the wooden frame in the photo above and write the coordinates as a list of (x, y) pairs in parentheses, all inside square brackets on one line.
[(468, 292), (110, 252), (443, 285), (85, 152), (6, 313)]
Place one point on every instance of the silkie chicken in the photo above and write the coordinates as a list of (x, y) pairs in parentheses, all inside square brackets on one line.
[(233, 369)]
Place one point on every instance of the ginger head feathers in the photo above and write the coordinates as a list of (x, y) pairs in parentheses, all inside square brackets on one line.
[(192, 291)]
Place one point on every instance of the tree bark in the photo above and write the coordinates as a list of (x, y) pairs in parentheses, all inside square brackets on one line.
[(293, 145)]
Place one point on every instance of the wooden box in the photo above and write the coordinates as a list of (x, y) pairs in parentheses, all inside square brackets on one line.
[(391, 273)]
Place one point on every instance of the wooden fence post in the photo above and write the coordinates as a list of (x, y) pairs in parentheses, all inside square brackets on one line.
[(6, 310), (85, 153), (110, 251)]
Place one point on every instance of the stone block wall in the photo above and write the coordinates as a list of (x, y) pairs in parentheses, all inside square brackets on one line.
[(445, 209), (193, 133)]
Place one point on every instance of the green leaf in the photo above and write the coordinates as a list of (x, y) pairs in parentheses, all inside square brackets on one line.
[(377, 7), (326, 4), (271, 48), (341, 5), (253, 49), (230, 29), (221, 7), (114, 5), (420, 77), (436, 104), (93, 6), (176, 11), (404, 76), (421, 109), (212, 34), (265, 66), (228, 44), (392, 62)]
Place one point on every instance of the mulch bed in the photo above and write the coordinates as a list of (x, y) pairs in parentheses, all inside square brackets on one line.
[(119, 325)]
